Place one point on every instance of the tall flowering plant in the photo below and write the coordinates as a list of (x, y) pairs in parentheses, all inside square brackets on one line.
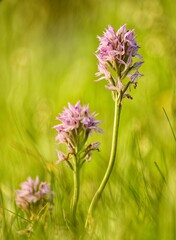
[(118, 64), (76, 125)]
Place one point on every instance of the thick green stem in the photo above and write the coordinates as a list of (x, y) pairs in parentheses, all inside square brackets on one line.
[(98, 193), (75, 190)]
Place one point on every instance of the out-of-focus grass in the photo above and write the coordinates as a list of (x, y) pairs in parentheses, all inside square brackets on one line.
[(47, 59)]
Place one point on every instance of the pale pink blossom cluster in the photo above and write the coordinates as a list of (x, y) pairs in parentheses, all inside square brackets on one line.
[(76, 125), (33, 195), (116, 55)]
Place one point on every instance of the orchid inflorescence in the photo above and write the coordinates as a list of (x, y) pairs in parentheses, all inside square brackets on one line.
[(77, 124), (34, 196), (116, 56)]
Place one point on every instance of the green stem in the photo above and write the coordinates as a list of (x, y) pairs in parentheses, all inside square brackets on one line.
[(117, 112), (75, 190)]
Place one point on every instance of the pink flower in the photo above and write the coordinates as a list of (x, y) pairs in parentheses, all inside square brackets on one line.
[(61, 157), (33, 195), (77, 124), (115, 54)]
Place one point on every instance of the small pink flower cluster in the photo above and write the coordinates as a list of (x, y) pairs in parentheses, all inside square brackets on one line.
[(33, 195), (115, 54), (76, 125)]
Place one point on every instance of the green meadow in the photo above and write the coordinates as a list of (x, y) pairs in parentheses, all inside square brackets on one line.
[(47, 59)]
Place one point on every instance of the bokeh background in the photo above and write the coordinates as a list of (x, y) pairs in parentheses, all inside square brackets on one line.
[(47, 60)]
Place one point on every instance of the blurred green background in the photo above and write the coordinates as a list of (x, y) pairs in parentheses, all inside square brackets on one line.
[(46, 60)]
